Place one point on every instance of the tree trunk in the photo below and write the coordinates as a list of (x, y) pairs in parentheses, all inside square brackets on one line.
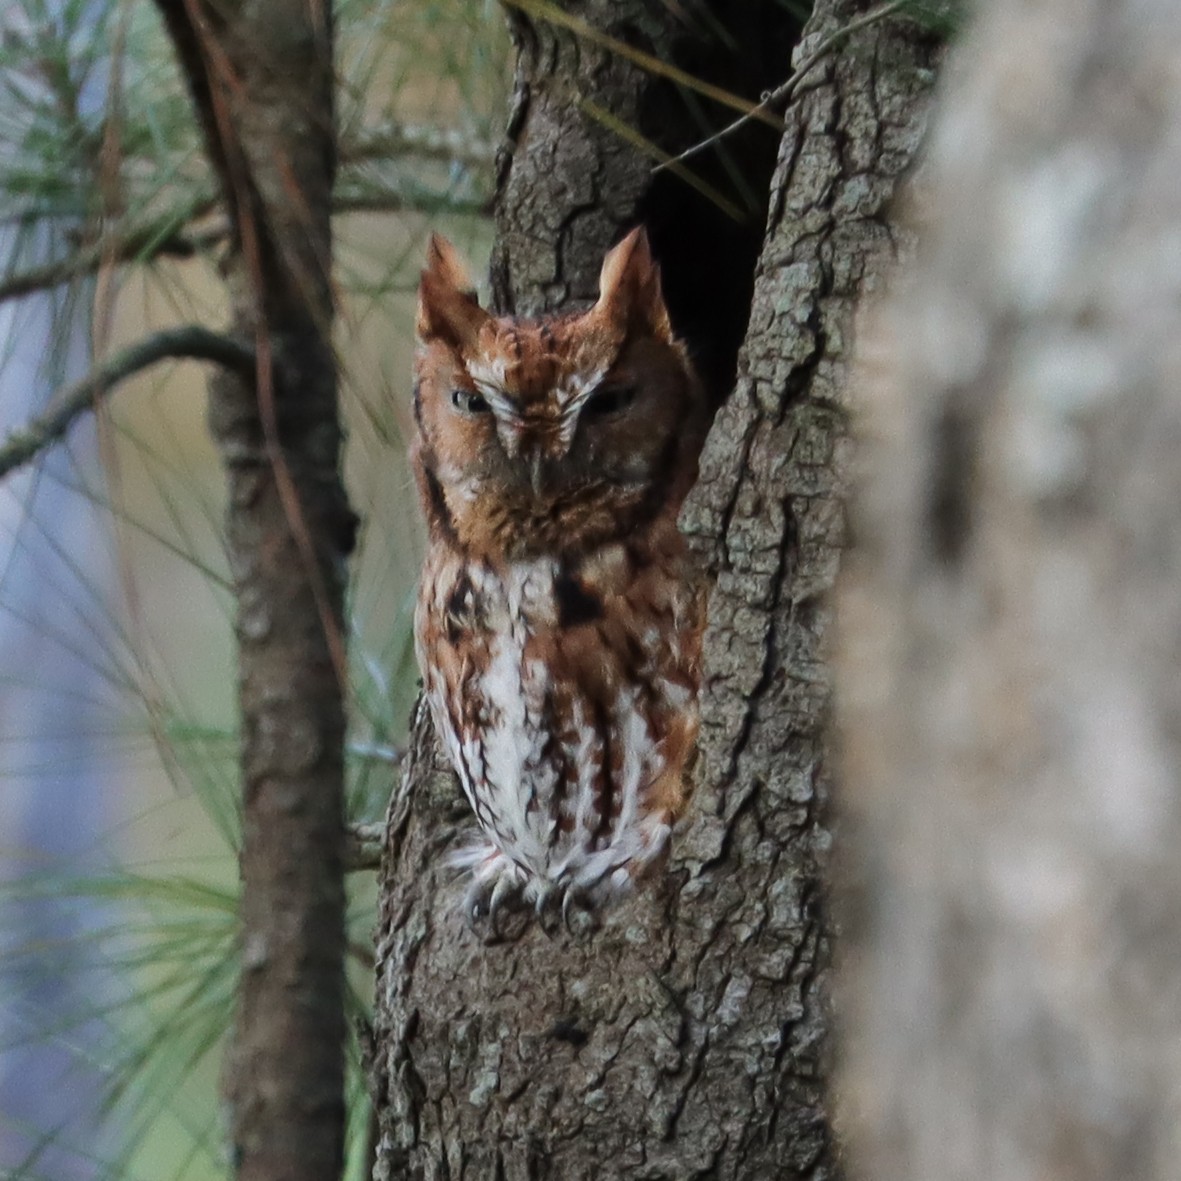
[(261, 76), (1011, 707), (685, 1038)]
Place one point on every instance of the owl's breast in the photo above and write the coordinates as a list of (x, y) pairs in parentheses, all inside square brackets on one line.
[(566, 697)]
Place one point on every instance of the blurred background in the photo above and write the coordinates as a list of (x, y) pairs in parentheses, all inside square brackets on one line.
[(118, 792)]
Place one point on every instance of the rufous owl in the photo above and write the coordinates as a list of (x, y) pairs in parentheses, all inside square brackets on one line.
[(559, 617)]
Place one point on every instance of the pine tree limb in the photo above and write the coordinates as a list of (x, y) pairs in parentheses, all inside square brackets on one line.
[(786, 91), (191, 342), (146, 243)]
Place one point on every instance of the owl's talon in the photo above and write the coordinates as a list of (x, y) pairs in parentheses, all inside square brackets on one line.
[(505, 889), (542, 909), (579, 913), (475, 906)]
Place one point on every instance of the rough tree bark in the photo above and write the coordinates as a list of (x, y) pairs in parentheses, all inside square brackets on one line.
[(261, 76), (1012, 630), (685, 1039), (569, 180)]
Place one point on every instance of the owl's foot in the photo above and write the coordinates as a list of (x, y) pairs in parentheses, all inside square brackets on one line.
[(560, 904), (497, 902), (497, 890)]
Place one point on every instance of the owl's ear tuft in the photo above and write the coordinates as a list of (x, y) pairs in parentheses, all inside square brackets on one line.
[(447, 306), (630, 298)]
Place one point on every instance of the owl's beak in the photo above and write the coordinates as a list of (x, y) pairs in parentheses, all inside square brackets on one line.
[(537, 473)]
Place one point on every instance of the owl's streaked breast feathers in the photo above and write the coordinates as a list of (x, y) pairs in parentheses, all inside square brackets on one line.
[(559, 619)]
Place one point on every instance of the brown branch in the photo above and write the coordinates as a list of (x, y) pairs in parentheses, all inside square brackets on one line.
[(387, 201), (363, 846), (416, 139), (783, 93), (548, 11), (190, 342), (153, 239), (147, 243)]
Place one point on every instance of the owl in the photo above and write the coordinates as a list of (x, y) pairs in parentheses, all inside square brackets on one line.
[(559, 619)]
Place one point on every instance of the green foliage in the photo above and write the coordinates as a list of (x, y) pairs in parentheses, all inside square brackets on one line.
[(167, 949), (101, 165), (944, 18)]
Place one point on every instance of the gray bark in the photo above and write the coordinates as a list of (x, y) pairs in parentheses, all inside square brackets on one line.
[(570, 183), (261, 75), (1011, 709), (685, 1038)]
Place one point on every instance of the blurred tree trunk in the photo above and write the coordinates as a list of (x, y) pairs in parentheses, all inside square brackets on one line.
[(261, 75), (1011, 706), (686, 1037)]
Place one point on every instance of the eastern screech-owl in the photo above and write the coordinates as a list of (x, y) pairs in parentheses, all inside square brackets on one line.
[(559, 620)]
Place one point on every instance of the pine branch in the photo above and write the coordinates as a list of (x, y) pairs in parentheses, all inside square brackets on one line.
[(147, 243), (783, 92), (191, 342), (554, 14), (395, 139), (363, 846), (143, 243)]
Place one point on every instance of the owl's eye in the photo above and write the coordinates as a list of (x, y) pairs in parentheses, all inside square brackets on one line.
[(609, 399), (469, 402)]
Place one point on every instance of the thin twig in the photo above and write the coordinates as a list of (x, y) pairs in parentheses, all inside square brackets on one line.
[(142, 243), (548, 11), (391, 201), (191, 341), (395, 139), (363, 844), (148, 243), (81, 262), (787, 89)]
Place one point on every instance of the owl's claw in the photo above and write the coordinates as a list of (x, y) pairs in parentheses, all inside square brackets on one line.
[(558, 906), (500, 887), (543, 909), (490, 897), (579, 915), (475, 904), (506, 889)]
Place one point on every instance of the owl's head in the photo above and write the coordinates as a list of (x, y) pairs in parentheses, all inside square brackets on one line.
[(558, 433)]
